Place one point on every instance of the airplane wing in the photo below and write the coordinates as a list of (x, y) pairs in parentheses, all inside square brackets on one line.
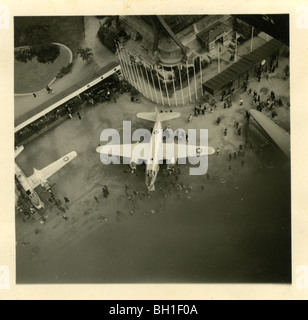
[(179, 151), (40, 176), (137, 151)]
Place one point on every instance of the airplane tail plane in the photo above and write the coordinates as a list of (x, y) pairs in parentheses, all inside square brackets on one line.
[(156, 116)]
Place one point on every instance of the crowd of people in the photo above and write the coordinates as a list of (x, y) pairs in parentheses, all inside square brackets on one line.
[(105, 91)]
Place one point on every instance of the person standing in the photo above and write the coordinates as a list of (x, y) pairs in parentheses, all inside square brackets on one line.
[(225, 131), (105, 191), (196, 112), (69, 113), (241, 102), (34, 95), (203, 110), (49, 89)]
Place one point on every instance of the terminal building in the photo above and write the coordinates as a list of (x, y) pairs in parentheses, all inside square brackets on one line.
[(169, 58)]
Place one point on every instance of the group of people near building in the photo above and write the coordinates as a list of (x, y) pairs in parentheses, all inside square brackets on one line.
[(96, 94)]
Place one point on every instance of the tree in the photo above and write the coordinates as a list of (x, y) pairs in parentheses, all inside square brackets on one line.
[(39, 40), (85, 54), (37, 36)]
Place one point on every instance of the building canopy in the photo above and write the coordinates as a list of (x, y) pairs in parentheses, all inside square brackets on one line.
[(242, 66)]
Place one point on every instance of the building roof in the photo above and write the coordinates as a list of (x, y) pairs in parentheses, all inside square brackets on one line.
[(212, 33), (178, 23), (242, 66)]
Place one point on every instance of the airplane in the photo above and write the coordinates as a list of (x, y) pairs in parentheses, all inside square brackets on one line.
[(156, 150), (277, 134), (39, 177)]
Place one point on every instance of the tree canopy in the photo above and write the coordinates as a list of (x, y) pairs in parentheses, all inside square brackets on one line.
[(39, 39)]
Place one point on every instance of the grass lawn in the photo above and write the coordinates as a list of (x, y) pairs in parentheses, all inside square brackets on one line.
[(34, 76), (67, 30)]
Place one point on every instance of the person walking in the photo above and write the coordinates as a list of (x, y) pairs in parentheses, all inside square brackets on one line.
[(241, 102), (239, 131), (78, 114), (225, 132)]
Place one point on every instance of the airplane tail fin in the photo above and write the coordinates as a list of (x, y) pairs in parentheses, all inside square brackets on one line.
[(18, 151), (158, 116)]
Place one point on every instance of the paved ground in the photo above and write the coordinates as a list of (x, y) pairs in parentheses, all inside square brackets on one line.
[(230, 226)]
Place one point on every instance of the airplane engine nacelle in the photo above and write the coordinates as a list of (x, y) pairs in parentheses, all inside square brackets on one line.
[(46, 185)]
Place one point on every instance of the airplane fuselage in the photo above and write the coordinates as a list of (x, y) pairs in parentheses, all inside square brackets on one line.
[(31, 193), (152, 166)]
